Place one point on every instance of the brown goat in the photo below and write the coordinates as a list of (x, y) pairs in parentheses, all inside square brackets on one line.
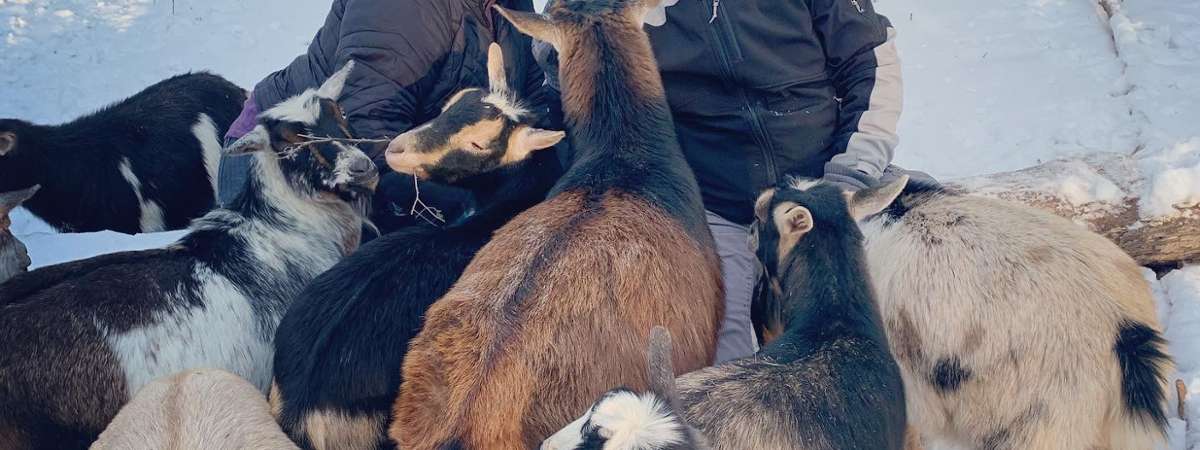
[(556, 309)]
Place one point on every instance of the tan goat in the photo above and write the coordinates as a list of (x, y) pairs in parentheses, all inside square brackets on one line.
[(208, 409)]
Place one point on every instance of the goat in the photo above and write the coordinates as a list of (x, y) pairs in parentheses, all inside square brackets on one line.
[(827, 379), (623, 420), (339, 348), (147, 163), (80, 337), (207, 409), (552, 311), (14, 258), (1014, 328)]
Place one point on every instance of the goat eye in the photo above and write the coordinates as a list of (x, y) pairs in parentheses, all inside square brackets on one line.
[(477, 147)]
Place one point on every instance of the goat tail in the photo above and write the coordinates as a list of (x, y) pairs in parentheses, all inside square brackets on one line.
[(1145, 365)]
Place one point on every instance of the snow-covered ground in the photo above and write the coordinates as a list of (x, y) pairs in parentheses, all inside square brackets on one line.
[(990, 87)]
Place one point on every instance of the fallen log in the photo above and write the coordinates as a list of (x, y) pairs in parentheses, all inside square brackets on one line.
[(1102, 192)]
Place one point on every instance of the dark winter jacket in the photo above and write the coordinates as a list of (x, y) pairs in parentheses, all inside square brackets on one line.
[(411, 56), (767, 88)]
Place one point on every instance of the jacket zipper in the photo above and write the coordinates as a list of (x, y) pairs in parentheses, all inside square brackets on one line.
[(760, 134)]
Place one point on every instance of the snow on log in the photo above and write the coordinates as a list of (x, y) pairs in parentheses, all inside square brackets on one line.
[(1103, 192)]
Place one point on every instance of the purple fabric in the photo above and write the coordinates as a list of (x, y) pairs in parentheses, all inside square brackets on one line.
[(245, 121)]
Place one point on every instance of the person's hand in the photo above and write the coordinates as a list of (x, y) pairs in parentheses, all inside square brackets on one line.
[(848, 179)]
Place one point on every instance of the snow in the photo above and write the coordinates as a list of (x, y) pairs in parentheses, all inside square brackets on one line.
[(63, 58), (1174, 180), (989, 87), (1179, 293)]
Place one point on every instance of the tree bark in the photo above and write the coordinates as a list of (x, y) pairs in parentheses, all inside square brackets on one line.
[(1102, 192)]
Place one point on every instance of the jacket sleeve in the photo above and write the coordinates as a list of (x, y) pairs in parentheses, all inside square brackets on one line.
[(394, 43), (864, 67)]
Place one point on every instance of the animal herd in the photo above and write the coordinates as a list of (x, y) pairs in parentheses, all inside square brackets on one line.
[(574, 307)]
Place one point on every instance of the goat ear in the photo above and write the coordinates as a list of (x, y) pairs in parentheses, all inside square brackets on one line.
[(497, 78), (535, 25), (528, 140), (8, 142), (795, 221), (652, 12), (257, 139), (871, 201), (332, 87), (12, 199), (761, 205), (661, 375)]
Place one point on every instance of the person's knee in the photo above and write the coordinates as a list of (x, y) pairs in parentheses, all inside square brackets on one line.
[(739, 270)]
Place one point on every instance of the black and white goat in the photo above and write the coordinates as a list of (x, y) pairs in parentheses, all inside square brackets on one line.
[(80, 338), (622, 419), (14, 258), (147, 163), (341, 345), (827, 379), (1016, 329)]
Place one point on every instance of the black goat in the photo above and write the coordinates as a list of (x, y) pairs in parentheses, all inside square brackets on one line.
[(147, 163), (341, 345), (827, 380), (81, 338)]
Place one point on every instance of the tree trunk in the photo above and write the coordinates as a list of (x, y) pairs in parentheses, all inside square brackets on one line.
[(1101, 191)]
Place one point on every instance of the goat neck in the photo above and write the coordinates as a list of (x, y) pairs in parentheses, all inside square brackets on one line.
[(825, 281)]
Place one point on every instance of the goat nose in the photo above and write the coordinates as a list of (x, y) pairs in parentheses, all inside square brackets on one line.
[(399, 144), (361, 166)]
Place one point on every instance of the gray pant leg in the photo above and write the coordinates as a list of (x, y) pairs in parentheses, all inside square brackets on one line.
[(739, 268), (231, 177)]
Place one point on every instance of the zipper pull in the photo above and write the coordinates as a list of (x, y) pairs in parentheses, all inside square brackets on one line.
[(716, 4)]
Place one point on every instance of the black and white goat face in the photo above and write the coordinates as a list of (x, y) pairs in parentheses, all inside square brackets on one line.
[(622, 420), (309, 136), (478, 131), (785, 216)]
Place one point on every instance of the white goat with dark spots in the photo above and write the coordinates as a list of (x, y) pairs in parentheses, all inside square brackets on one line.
[(1016, 329), (80, 338)]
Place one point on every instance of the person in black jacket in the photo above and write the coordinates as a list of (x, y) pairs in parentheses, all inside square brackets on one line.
[(411, 56), (763, 89)]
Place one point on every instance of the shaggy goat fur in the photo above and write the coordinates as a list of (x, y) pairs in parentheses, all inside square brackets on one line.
[(147, 163), (208, 409), (623, 420), (79, 338), (554, 310), (1016, 329)]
